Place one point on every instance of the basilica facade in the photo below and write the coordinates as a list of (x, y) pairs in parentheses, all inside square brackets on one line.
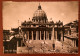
[(38, 33), (40, 28)]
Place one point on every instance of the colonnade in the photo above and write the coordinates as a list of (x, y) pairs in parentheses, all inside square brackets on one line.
[(56, 35), (38, 35), (74, 43)]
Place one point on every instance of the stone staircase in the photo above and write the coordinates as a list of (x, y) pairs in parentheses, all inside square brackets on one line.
[(36, 46)]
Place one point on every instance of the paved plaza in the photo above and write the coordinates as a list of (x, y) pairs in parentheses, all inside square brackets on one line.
[(60, 47)]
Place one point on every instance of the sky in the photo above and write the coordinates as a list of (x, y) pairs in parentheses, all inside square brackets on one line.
[(12, 12)]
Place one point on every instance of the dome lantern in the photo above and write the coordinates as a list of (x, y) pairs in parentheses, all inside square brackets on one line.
[(39, 7)]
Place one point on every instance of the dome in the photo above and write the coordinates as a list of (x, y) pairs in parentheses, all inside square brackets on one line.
[(39, 12), (39, 15)]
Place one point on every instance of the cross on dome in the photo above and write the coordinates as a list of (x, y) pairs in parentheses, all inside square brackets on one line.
[(39, 7)]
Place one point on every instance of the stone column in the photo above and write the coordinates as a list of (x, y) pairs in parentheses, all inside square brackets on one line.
[(28, 35), (44, 35), (75, 43), (62, 35), (52, 33), (17, 43), (36, 35), (40, 35), (48, 35), (25, 36), (32, 35), (68, 32), (56, 35)]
